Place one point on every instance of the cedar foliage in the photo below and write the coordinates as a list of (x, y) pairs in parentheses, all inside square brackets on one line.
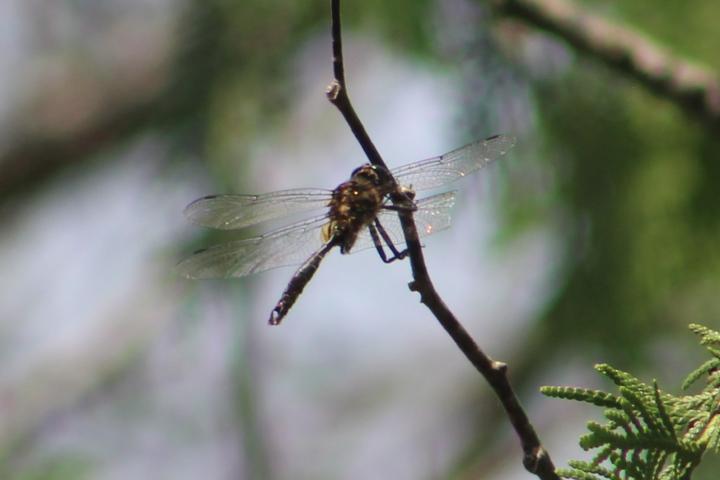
[(650, 434)]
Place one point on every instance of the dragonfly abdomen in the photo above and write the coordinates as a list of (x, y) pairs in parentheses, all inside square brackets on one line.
[(297, 284)]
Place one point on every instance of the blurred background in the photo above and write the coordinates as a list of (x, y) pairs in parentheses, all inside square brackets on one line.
[(595, 240)]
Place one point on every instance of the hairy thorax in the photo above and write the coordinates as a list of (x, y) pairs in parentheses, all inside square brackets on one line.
[(354, 205)]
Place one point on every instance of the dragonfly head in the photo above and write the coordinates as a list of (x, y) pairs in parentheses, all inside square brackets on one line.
[(373, 174)]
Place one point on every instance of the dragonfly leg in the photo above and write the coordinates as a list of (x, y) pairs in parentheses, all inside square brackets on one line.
[(389, 242), (377, 231), (400, 208)]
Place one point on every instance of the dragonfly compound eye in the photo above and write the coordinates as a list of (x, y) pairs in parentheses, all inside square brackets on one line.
[(360, 169), (383, 177), (377, 176)]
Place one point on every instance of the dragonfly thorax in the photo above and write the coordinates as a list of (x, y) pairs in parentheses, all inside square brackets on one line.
[(355, 203)]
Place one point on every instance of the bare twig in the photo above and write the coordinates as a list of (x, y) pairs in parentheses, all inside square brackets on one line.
[(30, 160), (694, 88), (338, 96), (536, 459)]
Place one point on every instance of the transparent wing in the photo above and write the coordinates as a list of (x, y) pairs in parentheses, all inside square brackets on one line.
[(228, 212), (437, 171), (290, 245), (432, 215)]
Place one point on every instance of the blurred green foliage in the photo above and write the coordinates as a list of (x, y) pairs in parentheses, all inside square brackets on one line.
[(638, 182), (636, 188)]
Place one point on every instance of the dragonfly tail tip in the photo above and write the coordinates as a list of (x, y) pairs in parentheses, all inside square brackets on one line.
[(275, 317)]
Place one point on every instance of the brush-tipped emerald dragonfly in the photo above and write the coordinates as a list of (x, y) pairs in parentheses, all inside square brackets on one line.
[(358, 215)]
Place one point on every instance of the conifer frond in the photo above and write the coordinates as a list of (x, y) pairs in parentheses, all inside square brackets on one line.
[(704, 369), (596, 397), (707, 336), (650, 434)]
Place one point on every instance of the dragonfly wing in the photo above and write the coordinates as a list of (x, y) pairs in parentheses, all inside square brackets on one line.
[(229, 212), (438, 171), (290, 245), (432, 215)]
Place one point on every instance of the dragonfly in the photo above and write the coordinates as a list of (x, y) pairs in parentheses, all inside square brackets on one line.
[(358, 214)]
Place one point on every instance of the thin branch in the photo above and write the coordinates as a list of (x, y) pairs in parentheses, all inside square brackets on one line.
[(38, 156), (694, 88), (337, 93), (338, 64), (536, 459)]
